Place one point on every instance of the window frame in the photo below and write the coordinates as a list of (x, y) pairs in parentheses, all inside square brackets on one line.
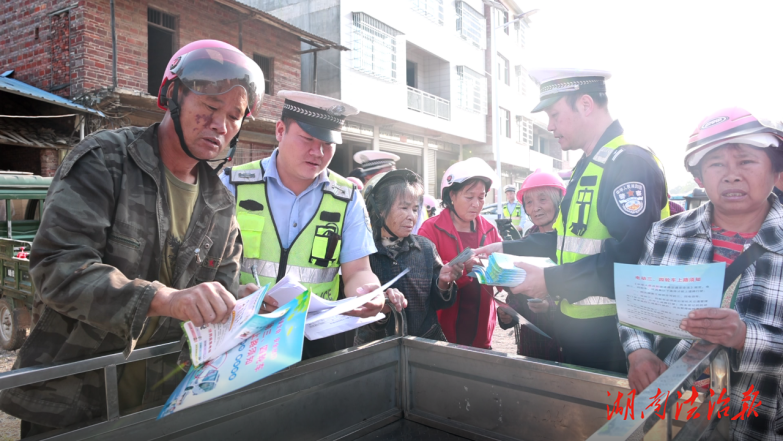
[(504, 67), (426, 7), (474, 36), (504, 117), (471, 90), (380, 39), (268, 76)]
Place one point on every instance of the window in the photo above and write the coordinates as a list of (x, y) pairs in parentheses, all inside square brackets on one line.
[(160, 46), (374, 47), (524, 131), (502, 20), (471, 90), (431, 9), (503, 67), (470, 24), (521, 79), (505, 122), (520, 27), (266, 64)]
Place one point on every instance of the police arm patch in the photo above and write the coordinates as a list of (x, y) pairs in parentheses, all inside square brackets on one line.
[(631, 198)]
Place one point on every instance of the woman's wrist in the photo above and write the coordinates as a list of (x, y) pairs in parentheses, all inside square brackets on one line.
[(440, 286)]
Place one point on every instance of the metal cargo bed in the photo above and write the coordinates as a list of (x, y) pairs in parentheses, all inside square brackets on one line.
[(401, 388)]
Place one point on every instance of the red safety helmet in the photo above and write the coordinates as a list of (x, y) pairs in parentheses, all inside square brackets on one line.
[(211, 67), (731, 125), (539, 179)]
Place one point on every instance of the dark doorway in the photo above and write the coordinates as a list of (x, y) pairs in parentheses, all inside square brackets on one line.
[(410, 73), (409, 162), (160, 47)]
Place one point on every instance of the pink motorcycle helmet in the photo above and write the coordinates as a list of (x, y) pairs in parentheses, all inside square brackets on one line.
[(733, 125), (540, 179), (212, 67)]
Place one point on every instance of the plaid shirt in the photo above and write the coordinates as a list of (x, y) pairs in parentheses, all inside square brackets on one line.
[(685, 240)]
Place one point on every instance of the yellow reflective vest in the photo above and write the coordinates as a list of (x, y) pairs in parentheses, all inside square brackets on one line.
[(516, 215), (313, 257), (583, 234)]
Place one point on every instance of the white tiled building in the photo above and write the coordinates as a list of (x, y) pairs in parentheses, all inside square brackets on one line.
[(418, 70), (525, 144), (415, 69)]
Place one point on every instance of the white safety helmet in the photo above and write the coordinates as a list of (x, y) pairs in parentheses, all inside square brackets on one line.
[(464, 170)]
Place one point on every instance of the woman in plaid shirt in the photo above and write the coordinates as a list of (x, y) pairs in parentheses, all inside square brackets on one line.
[(736, 158)]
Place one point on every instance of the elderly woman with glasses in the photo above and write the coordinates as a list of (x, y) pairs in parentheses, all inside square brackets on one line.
[(393, 203), (737, 158)]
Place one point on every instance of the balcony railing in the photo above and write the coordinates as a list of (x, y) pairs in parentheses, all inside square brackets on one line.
[(429, 104)]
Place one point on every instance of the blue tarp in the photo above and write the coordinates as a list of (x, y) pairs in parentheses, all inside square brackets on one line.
[(17, 87)]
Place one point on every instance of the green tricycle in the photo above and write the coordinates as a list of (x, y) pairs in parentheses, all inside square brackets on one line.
[(21, 204)]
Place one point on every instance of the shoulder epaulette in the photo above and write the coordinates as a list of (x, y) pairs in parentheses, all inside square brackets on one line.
[(339, 187)]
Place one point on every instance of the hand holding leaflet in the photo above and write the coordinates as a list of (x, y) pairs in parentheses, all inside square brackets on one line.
[(210, 341), (324, 318), (501, 271), (462, 257), (656, 299), (272, 347)]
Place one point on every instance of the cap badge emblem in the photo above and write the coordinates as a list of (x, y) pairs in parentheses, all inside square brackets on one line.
[(449, 178), (337, 110)]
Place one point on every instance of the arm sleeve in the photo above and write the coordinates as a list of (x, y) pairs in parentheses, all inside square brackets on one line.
[(357, 235), (536, 244), (633, 339), (66, 261), (594, 275), (440, 299), (228, 272), (763, 351)]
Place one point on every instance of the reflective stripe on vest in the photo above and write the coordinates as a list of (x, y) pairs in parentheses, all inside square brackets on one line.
[(265, 268), (579, 245), (583, 234), (313, 257)]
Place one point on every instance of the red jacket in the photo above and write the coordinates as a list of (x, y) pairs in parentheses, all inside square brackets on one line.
[(441, 231)]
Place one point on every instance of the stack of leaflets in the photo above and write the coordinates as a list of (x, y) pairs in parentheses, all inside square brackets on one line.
[(501, 271), (251, 346)]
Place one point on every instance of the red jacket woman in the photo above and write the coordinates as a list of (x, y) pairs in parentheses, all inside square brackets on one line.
[(472, 318)]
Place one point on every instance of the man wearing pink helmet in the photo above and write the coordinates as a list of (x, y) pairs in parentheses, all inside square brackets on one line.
[(737, 158), (138, 235), (615, 194)]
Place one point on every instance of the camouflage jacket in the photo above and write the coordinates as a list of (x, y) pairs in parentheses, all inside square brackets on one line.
[(95, 262)]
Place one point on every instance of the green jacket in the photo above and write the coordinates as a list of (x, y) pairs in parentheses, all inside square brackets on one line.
[(95, 262)]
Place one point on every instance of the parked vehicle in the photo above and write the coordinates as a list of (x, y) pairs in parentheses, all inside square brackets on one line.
[(21, 203), (491, 212)]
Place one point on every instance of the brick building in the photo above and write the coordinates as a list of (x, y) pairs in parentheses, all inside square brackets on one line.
[(66, 47)]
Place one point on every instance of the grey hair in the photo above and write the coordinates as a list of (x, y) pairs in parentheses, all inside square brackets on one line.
[(386, 196), (554, 194)]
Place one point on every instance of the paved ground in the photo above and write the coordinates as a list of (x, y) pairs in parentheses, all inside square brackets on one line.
[(503, 341)]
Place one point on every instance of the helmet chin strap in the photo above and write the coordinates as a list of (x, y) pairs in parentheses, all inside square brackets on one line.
[(393, 236), (174, 109)]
